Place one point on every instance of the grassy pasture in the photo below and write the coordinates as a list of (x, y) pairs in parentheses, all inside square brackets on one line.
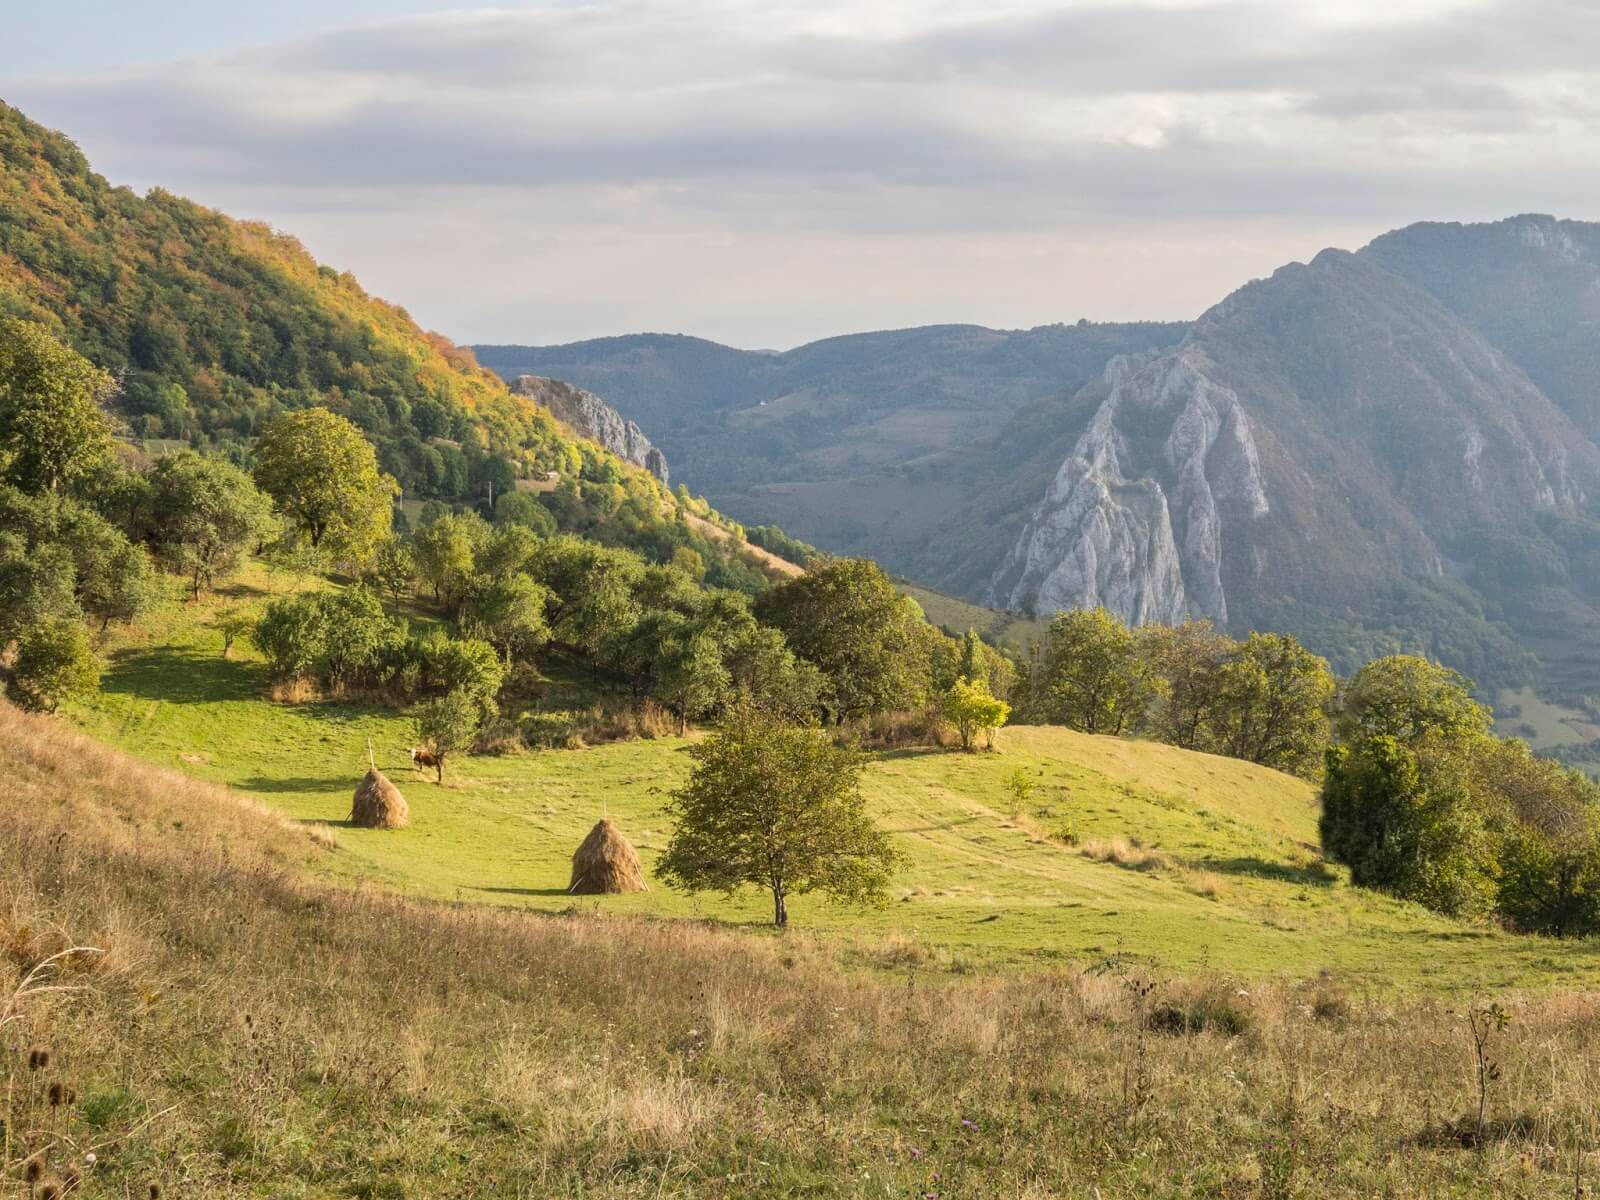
[(243, 1030), (1231, 877)]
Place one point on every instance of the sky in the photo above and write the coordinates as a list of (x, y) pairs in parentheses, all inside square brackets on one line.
[(766, 174)]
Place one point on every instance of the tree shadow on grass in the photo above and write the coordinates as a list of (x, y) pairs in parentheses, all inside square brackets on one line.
[(297, 783), (1316, 874), (511, 891), (911, 752), (179, 676)]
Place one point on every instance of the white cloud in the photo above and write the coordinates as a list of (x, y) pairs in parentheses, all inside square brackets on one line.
[(701, 139)]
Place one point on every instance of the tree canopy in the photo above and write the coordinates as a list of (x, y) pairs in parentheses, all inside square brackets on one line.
[(324, 476), (778, 806), (52, 429)]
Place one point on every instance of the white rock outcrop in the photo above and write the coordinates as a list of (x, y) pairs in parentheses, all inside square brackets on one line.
[(591, 417), (1133, 519)]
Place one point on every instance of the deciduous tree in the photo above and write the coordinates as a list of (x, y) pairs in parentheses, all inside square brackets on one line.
[(777, 806), (323, 475), (52, 429)]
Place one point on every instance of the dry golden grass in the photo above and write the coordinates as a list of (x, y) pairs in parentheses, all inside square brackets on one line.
[(250, 1031), (1124, 853)]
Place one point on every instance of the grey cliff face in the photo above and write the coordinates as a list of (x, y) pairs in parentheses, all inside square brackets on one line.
[(591, 417), (1133, 519)]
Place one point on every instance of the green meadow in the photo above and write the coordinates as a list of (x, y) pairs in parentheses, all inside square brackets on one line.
[(1122, 848)]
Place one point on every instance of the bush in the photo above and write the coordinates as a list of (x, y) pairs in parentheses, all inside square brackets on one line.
[(54, 662), (1205, 1005)]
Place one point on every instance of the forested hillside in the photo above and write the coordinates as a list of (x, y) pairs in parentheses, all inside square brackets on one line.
[(1385, 451), (910, 446), (213, 326)]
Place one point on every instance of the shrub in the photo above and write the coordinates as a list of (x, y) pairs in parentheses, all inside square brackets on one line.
[(54, 662), (973, 712), (1208, 1004)]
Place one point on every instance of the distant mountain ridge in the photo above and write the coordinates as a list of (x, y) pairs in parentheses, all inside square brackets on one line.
[(1389, 449)]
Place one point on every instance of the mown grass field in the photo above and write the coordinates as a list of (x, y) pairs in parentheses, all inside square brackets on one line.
[(957, 616), (233, 1028), (1237, 883)]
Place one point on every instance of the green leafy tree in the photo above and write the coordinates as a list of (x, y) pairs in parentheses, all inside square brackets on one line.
[(1548, 878), (449, 724), (507, 551), (467, 665), (973, 711), (595, 607), (393, 569), (524, 509), (777, 806), (691, 678), (846, 617), (36, 585), (1407, 820), (1189, 660), (52, 430), (323, 475), (446, 551), (509, 613), (762, 668), (1549, 881), (1271, 705), (292, 634), (1091, 676), (206, 513), (1409, 698), (232, 623), (54, 663)]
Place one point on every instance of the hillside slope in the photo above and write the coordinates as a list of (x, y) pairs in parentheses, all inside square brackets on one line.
[(910, 446), (213, 326), (1232, 876), (235, 1030)]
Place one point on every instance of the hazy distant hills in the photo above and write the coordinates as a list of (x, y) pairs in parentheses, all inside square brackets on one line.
[(1394, 448), (919, 447)]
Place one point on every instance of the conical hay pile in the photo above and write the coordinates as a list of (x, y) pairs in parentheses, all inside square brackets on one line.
[(605, 863), (378, 803)]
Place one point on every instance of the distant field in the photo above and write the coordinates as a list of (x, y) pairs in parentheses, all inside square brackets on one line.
[(1519, 712), (1243, 889), (958, 616)]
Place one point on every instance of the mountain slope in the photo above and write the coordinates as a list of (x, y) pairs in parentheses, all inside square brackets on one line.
[(911, 446), (213, 326), (591, 417), (1392, 449), (1321, 438), (247, 1027)]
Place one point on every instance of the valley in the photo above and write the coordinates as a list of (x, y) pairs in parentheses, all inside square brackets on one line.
[(1234, 879), (1415, 471), (1029, 763)]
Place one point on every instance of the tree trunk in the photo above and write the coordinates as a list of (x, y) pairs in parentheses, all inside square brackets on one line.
[(780, 911), (438, 766)]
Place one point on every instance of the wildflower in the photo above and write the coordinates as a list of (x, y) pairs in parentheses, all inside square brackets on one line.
[(91, 1158)]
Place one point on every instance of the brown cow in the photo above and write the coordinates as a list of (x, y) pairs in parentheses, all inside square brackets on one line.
[(423, 758)]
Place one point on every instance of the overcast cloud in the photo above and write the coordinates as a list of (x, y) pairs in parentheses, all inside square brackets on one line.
[(769, 173)]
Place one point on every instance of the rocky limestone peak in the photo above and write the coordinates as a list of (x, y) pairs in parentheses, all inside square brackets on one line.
[(1133, 519), (591, 417)]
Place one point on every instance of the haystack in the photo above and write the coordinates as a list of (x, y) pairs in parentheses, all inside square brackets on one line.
[(378, 803), (606, 862)]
